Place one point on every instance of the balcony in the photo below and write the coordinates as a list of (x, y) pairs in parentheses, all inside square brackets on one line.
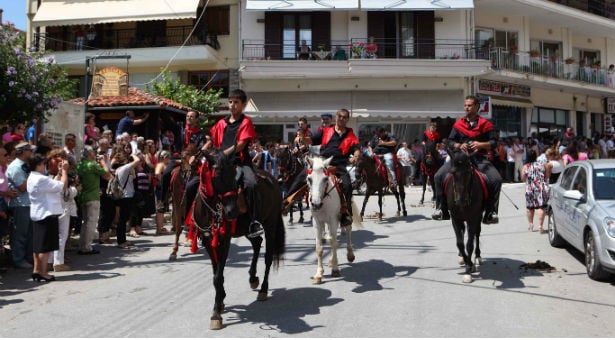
[(96, 39), (361, 49), (551, 69)]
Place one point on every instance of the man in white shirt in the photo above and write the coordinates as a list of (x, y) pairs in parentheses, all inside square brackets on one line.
[(408, 161)]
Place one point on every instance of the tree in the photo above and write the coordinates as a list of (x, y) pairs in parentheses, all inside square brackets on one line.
[(32, 85), (205, 102)]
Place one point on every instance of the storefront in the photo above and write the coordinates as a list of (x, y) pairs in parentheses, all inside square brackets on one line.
[(509, 106)]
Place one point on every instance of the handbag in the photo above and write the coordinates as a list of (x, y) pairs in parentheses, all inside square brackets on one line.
[(115, 190)]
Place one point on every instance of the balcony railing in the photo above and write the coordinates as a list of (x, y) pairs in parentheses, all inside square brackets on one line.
[(120, 38), (360, 49), (553, 66)]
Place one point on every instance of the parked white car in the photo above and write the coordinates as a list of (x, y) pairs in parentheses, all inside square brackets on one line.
[(582, 213)]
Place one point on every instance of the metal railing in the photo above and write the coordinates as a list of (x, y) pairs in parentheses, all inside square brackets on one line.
[(120, 38), (362, 49), (551, 66)]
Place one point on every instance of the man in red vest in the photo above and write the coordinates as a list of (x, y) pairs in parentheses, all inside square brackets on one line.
[(472, 133), (431, 134), (340, 142)]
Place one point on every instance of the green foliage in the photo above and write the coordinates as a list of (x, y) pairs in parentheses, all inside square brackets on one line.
[(204, 102), (31, 84)]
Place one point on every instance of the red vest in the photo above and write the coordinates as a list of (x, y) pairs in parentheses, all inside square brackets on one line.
[(348, 141), (482, 126)]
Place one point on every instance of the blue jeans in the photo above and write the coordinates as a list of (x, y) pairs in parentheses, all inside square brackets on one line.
[(21, 236), (388, 161)]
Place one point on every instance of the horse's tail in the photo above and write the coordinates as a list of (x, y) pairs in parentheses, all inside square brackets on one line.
[(356, 217), (279, 243)]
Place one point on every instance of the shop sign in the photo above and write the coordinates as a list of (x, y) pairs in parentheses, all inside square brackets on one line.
[(503, 89), (485, 109), (110, 81)]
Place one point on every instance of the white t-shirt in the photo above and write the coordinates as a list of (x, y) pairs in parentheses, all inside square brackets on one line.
[(123, 176)]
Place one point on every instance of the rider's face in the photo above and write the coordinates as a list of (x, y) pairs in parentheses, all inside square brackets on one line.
[(470, 107), (236, 106)]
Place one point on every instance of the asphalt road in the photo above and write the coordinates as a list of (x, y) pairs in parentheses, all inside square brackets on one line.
[(405, 282)]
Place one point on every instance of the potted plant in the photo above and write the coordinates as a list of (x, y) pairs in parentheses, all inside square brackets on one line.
[(534, 53), (569, 61)]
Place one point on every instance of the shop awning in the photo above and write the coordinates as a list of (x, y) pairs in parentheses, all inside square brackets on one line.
[(90, 12), (301, 5), (426, 5), (508, 101)]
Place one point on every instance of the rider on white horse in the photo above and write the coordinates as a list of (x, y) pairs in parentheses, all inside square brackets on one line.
[(339, 142)]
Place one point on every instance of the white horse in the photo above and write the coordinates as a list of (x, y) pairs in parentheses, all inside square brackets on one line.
[(325, 205)]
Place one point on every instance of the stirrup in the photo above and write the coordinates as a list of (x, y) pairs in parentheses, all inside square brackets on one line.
[(255, 229)]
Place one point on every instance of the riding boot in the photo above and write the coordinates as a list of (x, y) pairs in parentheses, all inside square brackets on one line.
[(256, 228), (491, 211), (346, 212)]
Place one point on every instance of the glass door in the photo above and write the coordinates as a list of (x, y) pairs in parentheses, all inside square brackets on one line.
[(295, 29), (407, 34)]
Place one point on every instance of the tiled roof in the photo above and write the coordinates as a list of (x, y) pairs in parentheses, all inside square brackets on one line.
[(135, 97)]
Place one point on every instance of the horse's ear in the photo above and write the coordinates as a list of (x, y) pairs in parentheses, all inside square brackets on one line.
[(229, 151), (310, 161), (326, 162)]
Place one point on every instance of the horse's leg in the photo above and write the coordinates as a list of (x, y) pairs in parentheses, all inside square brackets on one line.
[(290, 213), (380, 195), (402, 197), (367, 194), (424, 186), (221, 253), (349, 251), (478, 260), (398, 213), (300, 212), (318, 228), (432, 183), (256, 250), (459, 227), (176, 219), (333, 223), (470, 250)]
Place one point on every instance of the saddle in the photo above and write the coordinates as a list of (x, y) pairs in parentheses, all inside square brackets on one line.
[(481, 177)]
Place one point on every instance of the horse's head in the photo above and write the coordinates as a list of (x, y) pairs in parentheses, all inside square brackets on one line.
[(461, 168), (286, 161), (223, 172), (318, 180)]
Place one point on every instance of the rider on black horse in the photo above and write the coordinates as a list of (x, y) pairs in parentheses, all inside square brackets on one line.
[(340, 142), (475, 135), (383, 144)]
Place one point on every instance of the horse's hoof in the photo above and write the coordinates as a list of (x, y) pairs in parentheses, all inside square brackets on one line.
[(405, 213), (467, 278), (215, 325), (350, 258), (290, 222), (254, 284), (397, 214), (316, 280), (336, 273), (460, 261), (473, 269), (173, 257), (300, 220), (262, 296), (478, 261)]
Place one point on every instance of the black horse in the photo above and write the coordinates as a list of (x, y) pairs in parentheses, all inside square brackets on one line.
[(371, 173), (465, 194), (292, 175), (428, 166), (219, 215)]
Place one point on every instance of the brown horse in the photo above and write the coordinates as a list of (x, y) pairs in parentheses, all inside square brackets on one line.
[(367, 168), (217, 218), (428, 166), (292, 174)]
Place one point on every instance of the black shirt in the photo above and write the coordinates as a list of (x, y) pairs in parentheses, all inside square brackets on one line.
[(383, 149), (333, 148)]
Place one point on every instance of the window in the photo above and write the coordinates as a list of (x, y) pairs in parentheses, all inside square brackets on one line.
[(567, 177), (296, 28), (548, 122), (217, 20), (507, 119), (546, 48), (580, 181), (205, 80)]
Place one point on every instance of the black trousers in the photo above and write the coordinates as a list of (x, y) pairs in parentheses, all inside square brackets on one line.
[(346, 184), (493, 181)]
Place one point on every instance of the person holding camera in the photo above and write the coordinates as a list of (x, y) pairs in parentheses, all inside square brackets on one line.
[(91, 169), (125, 175)]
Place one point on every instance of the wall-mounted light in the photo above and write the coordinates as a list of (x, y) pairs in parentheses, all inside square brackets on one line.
[(505, 19), (589, 40), (550, 31), (438, 19), (260, 20), (355, 18)]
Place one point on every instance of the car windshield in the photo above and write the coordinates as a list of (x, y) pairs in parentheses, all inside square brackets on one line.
[(604, 184)]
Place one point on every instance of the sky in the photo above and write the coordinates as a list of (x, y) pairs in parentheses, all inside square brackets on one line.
[(15, 12)]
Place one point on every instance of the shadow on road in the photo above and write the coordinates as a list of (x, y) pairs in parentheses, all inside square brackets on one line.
[(284, 310), (367, 275)]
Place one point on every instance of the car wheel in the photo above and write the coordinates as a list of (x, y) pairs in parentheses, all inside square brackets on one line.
[(592, 259), (554, 238)]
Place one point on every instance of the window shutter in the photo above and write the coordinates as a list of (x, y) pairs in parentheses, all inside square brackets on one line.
[(321, 30), (376, 28), (425, 34), (273, 35)]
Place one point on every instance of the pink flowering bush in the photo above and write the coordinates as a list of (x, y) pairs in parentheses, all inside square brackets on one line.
[(31, 84)]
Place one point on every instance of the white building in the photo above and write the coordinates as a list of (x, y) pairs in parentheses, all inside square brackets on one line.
[(430, 54)]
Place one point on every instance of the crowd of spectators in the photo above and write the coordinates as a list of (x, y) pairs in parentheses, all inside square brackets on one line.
[(78, 182)]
